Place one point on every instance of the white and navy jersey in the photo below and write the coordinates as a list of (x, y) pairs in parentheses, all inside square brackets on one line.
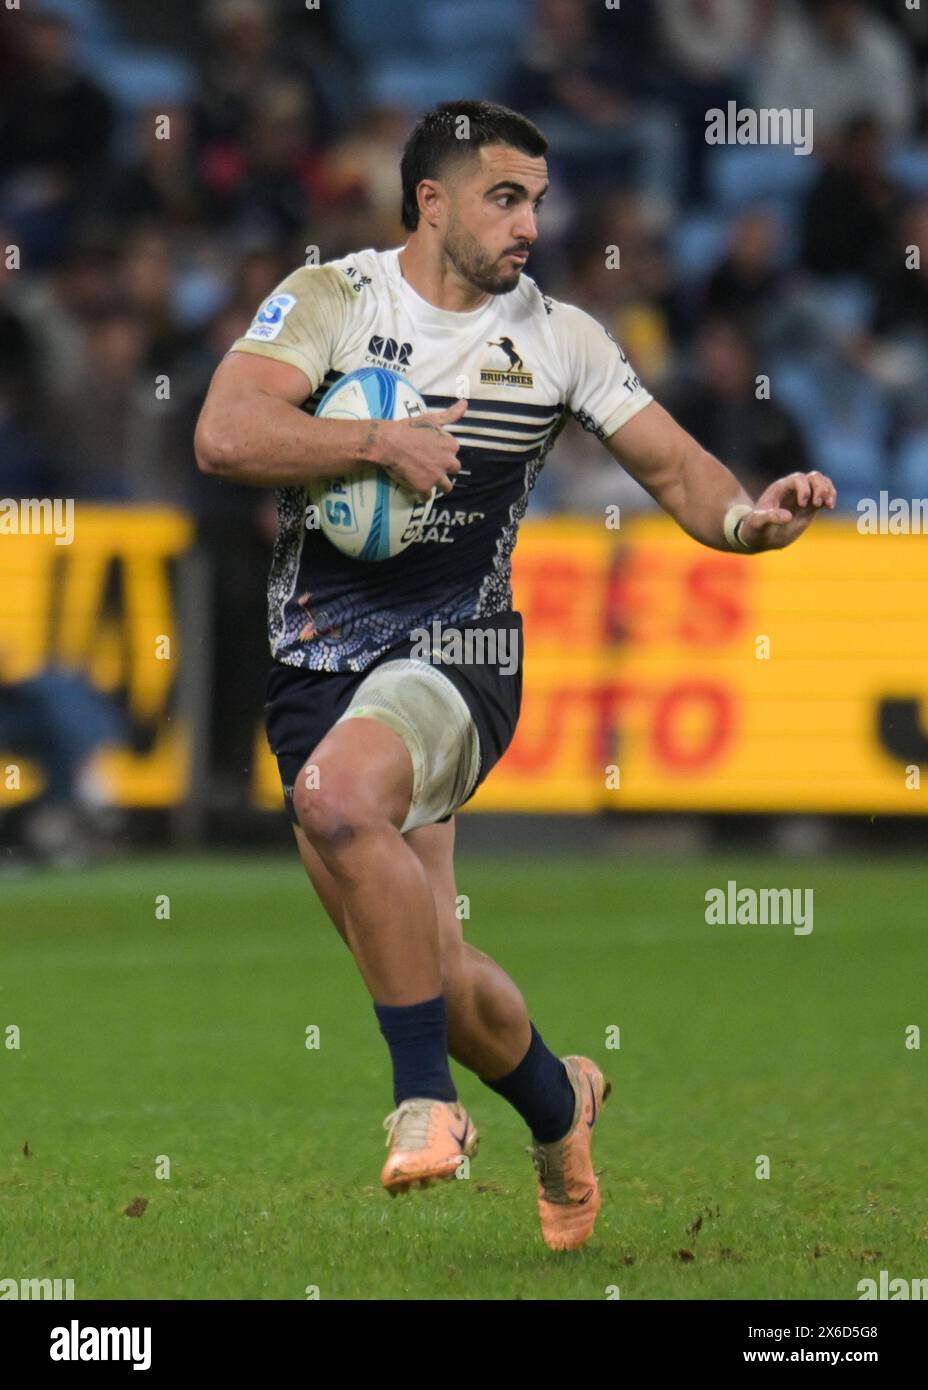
[(523, 361)]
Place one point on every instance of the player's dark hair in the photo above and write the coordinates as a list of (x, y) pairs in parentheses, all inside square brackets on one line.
[(441, 136)]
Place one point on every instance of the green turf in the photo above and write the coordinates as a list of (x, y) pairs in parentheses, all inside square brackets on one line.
[(185, 1038)]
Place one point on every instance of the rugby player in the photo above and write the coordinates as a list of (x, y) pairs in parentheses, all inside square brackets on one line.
[(377, 746)]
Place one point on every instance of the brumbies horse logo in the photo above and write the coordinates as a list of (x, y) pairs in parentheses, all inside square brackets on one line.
[(513, 375), (509, 348)]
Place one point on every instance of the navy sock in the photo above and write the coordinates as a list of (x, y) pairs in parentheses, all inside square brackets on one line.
[(417, 1036), (540, 1090)]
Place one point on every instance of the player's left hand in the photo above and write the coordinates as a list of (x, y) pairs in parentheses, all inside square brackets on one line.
[(785, 508)]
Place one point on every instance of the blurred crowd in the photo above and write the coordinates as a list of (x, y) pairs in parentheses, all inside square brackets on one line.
[(163, 167), (158, 186)]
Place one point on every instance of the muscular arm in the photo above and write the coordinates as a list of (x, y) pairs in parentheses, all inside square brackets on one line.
[(251, 430), (697, 490)]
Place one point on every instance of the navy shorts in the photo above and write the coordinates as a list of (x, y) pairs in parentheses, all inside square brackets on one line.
[(301, 706)]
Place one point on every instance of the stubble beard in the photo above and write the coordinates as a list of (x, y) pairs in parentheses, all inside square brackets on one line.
[(473, 264)]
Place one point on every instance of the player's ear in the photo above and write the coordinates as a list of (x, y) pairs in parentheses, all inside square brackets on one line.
[(431, 197)]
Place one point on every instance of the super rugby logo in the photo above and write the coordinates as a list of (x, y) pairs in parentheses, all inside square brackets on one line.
[(270, 320), (512, 375), (387, 352)]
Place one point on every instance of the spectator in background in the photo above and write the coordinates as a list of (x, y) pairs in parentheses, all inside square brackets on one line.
[(841, 60), (563, 67), (145, 285), (757, 438), (902, 300), (708, 40), (52, 115), (103, 412), (26, 470), (895, 349), (261, 122), (162, 182), (624, 277), (18, 371), (584, 95), (240, 61), (56, 308), (359, 185), (911, 21), (55, 126), (60, 720), (851, 210), (708, 45), (258, 271), (245, 55), (265, 187), (751, 277)]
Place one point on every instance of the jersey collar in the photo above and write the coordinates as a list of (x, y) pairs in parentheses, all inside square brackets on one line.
[(420, 310)]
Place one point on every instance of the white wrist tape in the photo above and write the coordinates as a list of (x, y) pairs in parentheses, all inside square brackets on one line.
[(730, 525)]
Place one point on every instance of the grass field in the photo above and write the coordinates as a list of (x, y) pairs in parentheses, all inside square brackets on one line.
[(186, 1038)]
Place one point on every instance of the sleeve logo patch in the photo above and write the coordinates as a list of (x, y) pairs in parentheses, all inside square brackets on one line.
[(270, 319)]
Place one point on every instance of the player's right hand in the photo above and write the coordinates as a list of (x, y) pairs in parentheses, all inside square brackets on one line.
[(420, 453)]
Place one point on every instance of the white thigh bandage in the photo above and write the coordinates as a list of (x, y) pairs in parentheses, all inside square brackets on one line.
[(431, 717)]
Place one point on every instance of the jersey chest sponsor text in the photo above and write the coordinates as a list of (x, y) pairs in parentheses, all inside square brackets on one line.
[(444, 366), (444, 524)]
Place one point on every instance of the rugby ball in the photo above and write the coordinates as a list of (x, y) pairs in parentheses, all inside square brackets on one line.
[(368, 515)]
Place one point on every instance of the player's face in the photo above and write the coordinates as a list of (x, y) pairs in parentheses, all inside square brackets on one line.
[(492, 206)]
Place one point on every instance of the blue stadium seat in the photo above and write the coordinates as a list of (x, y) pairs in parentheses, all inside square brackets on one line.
[(844, 420), (475, 23), (911, 472), (797, 384), (698, 243), (446, 49), (90, 20), (415, 86), (489, 33), (842, 306), (375, 33), (740, 175), (197, 295), (789, 211), (856, 463), (910, 167), (136, 78), (854, 450)]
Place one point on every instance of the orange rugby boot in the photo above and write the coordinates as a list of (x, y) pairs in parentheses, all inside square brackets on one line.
[(568, 1191), (427, 1139)]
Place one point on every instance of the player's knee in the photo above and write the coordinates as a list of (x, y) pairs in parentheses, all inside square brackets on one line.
[(333, 814)]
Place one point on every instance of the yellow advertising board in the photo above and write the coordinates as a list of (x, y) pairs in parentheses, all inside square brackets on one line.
[(659, 675), (103, 606), (662, 675)]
